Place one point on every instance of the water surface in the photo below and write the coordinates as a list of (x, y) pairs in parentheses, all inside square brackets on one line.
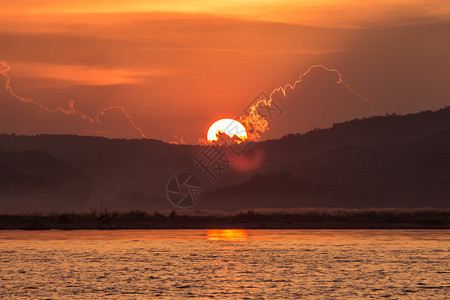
[(234, 264)]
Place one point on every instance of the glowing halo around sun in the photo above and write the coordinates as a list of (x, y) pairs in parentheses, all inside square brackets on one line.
[(230, 127)]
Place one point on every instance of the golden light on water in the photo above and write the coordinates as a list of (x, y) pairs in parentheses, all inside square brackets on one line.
[(226, 234)]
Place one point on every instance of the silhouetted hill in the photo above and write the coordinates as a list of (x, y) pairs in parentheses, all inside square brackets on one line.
[(34, 180), (338, 166), (412, 174), (426, 159), (375, 131), (125, 173)]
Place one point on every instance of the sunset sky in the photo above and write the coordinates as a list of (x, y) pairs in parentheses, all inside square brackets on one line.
[(177, 66)]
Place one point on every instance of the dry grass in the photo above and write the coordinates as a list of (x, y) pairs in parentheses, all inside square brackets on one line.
[(253, 218)]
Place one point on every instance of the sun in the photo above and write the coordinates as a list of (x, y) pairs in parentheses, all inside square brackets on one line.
[(230, 127)]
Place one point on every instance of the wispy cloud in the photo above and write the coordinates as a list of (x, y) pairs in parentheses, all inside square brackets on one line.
[(340, 13), (69, 111), (86, 75)]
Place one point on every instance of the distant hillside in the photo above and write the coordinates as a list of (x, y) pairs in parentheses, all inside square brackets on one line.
[(425, 159), (375, 131), (337, 165), (33, 181), (124, 173), (413, 174)]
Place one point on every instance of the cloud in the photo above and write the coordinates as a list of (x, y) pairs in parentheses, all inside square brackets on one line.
[(23, 115), (224, 62), (319, 98), (343, 13), (86, 75)]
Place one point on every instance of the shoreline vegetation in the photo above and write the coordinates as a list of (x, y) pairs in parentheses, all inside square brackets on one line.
[(302, 218)]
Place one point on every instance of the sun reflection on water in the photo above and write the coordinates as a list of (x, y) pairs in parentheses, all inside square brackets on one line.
[(226, 234)]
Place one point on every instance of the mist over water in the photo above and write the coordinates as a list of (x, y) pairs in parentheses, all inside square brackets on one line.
[(237, 264)]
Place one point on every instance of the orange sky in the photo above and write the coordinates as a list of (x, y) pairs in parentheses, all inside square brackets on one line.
[(177, 66)]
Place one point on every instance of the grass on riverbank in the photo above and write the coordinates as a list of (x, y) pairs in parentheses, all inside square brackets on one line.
[(258, 218)]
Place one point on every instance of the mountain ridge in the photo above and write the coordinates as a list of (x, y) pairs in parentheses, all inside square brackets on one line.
[(133, 173)]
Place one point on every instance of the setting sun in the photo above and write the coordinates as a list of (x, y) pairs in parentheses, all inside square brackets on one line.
[(230, 127)]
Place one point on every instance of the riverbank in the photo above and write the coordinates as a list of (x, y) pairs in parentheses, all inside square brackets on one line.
[(424, 218)]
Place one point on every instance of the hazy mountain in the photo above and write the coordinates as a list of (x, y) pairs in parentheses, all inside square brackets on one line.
[(34, 180), (412, 174), (380, 161)]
